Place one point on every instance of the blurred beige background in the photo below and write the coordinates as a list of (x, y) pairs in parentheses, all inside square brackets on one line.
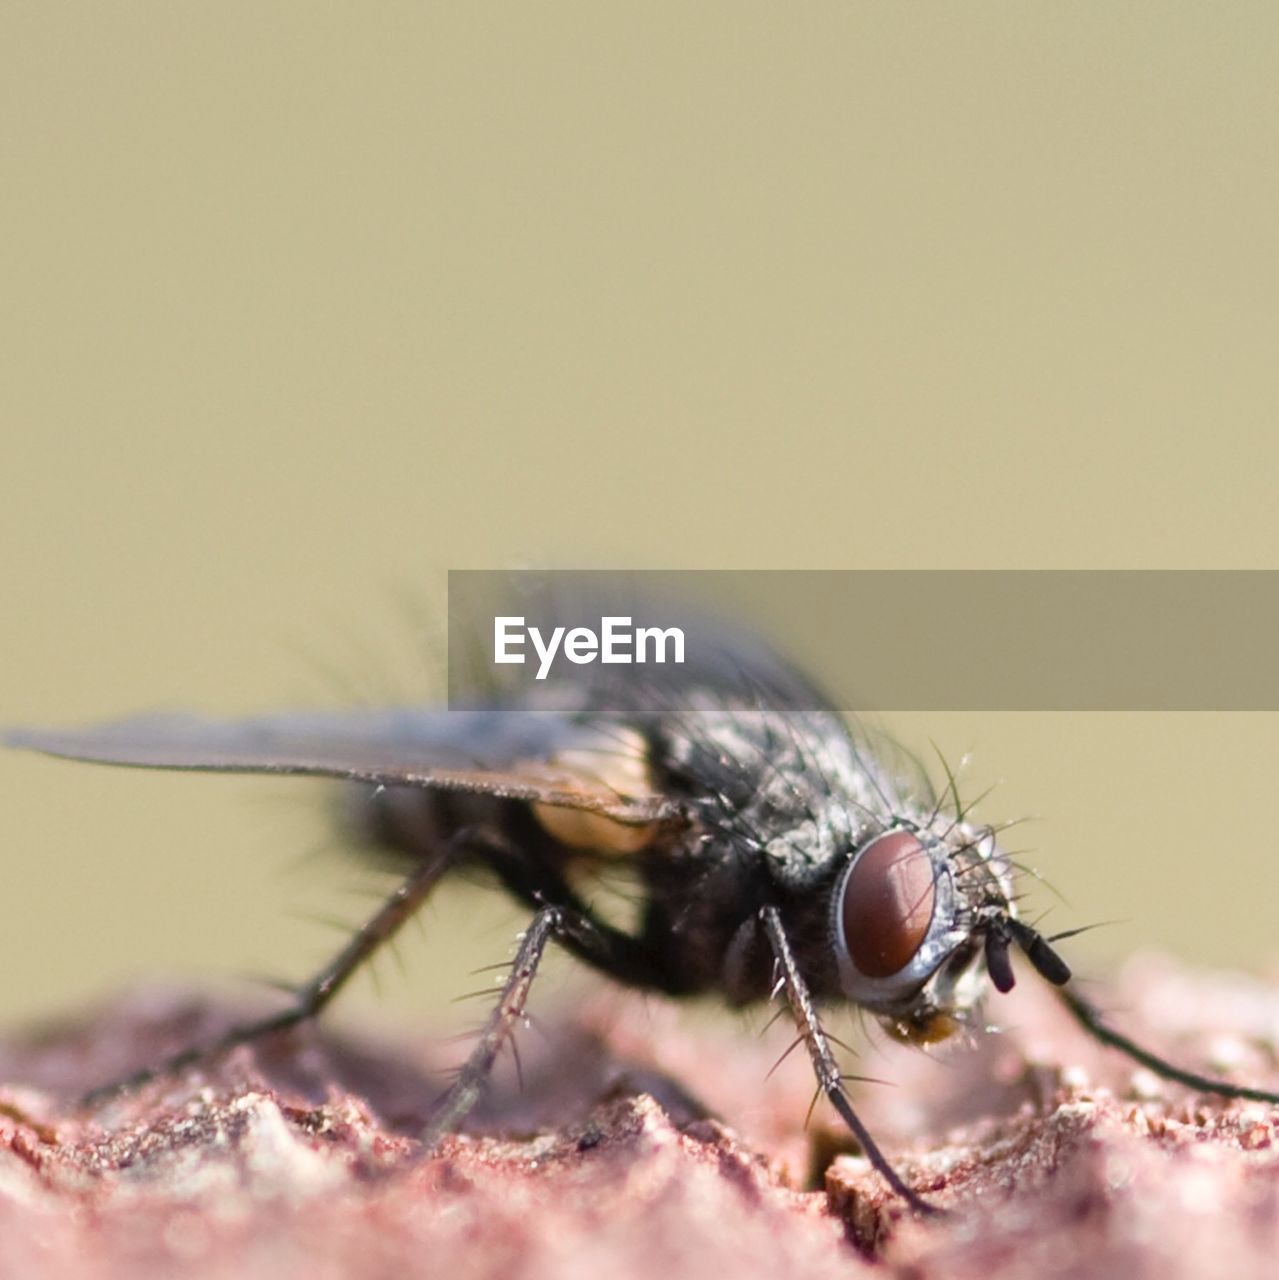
[(304, 304)]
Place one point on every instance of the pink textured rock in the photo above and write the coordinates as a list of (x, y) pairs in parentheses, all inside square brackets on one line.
[(298, 1158)]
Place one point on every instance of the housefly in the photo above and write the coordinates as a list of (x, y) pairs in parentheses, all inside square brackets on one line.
[(777, 852)]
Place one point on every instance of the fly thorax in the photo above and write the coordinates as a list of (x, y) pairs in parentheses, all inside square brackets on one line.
[(802, 853)]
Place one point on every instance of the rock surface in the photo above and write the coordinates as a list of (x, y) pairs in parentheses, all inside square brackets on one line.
[(647, 1142)]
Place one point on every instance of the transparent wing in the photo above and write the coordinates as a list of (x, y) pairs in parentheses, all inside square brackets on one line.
[(522, 755)]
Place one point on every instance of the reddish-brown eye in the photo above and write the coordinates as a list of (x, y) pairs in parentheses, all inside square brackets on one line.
[(888, 904)]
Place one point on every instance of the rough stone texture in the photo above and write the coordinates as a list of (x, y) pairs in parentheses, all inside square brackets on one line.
[(1054, 1156)]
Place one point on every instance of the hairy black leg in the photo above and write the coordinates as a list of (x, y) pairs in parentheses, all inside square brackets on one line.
[(465, 1091), (1091, 1020), (317, 993), (829, 1077), (635, 961)]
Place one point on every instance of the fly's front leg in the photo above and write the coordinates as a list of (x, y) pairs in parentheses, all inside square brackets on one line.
[(1092, 1021), (317, 993), (829, 1077)]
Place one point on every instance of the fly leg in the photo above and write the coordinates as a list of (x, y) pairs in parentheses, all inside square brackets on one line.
[(830, 1079), (1091, 1020), (317, 993), (559, 923)]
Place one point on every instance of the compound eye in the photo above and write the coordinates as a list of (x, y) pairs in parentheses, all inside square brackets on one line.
[(889, 897)]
